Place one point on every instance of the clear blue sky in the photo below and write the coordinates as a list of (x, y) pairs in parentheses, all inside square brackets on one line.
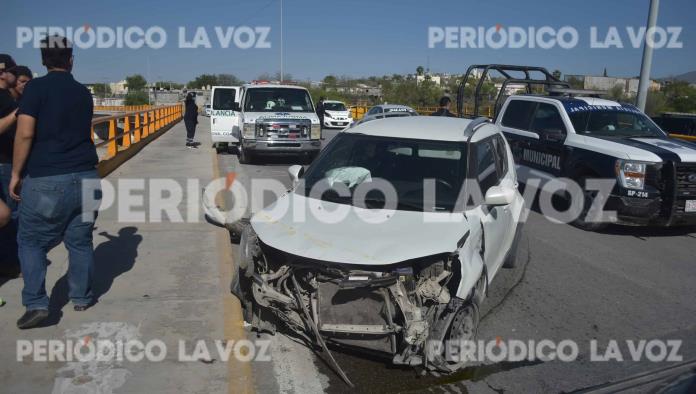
[(351, 37)]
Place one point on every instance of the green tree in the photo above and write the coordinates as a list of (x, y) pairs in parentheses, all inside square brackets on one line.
[(101, 89), (137, 97), (419, 70), (656, 103), (575, 82), (168, 85), (617, 93), (229, 80), (557, 74), (330, 81), (136, 82), (203, 81), (680, 96), (286, 77)]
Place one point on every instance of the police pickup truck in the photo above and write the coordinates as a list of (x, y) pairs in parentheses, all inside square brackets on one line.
[(566, 134), (271, 119)]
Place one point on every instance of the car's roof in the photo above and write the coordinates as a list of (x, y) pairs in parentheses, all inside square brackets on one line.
[(437, 128), (593, 101), (334, 101), (386, 106)]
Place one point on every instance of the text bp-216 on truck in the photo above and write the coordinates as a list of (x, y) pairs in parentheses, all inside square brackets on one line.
[(558, 132)]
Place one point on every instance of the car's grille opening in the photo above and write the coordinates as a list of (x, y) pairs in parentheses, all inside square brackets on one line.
[(685, 187)]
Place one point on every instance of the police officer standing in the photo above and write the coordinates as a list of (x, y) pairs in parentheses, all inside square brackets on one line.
[(445, 103)]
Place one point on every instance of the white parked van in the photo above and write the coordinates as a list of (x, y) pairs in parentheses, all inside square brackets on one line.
[(276, 119)]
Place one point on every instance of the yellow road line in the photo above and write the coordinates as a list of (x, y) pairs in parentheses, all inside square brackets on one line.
[(240, 376)]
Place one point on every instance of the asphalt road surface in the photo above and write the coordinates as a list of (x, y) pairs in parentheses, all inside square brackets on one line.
[(621, 284)]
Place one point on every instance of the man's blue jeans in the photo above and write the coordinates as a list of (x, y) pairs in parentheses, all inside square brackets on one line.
[(55, 209), (8, 234)]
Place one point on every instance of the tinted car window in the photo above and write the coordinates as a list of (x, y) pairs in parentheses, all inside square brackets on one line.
[(224, 99), (501, 156), (486, 166), (614, 122), (334, 107), (547, 118), (518, 114)]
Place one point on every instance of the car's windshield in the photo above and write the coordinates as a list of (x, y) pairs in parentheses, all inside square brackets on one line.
[(614, 123), (416, 169), (334, 107), (277, 100)]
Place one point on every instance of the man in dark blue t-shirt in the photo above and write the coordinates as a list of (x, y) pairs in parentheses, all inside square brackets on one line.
[(54, 152)]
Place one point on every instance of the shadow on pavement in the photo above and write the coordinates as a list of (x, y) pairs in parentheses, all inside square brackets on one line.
[(617, 229), (636, 231), (112, 258)]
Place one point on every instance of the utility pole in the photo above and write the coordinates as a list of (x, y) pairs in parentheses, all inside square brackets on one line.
[(281, 41), (646, 65)]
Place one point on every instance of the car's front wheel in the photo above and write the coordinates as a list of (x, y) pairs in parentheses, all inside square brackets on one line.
[(245, 156), (586, 220), (220, 147)]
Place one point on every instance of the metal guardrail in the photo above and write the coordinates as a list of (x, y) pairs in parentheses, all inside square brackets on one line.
[(683, 137), (137, 125)]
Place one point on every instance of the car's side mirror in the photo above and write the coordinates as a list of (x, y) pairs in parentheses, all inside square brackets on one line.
[(295, 173), (500, 195), (553, 135)]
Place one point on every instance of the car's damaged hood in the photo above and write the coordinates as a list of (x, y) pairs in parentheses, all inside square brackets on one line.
[(398, 235)]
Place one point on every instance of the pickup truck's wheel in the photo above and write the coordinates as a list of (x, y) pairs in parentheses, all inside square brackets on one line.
[(244, 156), (583, 222), (220, 147)]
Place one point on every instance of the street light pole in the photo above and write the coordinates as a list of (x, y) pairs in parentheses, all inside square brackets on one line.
[(646, 65), (281, 41)]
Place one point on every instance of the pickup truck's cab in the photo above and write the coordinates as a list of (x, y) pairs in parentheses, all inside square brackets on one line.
[(276, 119), (585, 137)]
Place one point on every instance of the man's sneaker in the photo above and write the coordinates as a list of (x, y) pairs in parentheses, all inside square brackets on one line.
[(191, 145), (32, 318)]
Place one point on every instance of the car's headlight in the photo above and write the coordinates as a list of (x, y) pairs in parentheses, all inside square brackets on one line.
[(249, 130), (315, 133), (326, 114), (631, 174)]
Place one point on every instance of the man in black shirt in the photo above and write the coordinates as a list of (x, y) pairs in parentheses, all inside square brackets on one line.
[(8, 246), (320, 111), (54, 162), (444, 108)]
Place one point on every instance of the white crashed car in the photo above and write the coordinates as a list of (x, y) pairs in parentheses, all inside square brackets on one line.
[(395, 270), (336, 115)]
